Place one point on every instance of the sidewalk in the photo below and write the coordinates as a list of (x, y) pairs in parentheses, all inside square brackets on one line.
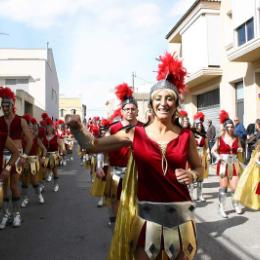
[(237, 237)]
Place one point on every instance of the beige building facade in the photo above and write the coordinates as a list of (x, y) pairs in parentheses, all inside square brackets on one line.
[(219, 42), (72, 106)]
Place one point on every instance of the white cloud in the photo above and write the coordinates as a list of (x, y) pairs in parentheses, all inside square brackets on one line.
[(41, 13), (146, 15), (180, 7)]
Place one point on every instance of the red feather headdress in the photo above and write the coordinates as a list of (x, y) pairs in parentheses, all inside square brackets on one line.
[(44, 116), (27, 118), (171, 69), (123, 91), (33, 121), (49, 122), (199, 116), (7, 93), (223, 116), (183, 113)]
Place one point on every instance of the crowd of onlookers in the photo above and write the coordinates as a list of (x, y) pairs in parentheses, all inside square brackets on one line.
[(248, 137)]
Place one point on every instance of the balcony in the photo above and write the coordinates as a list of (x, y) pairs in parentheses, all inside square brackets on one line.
[(248, 52), (202, 76)]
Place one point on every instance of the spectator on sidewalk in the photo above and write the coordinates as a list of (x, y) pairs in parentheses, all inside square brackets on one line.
[(253, 135), (211, 135), (240, 132)]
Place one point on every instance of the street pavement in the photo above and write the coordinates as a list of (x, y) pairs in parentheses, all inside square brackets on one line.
[(69, 225)]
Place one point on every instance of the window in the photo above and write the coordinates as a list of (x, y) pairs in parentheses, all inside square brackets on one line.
[(239, 87), (245, 32), (10, 82), (208, 99), (73, 111)]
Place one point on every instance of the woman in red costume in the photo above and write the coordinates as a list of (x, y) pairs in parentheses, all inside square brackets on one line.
[(31, 168), (53, 145), (226, 151), (161, 223)]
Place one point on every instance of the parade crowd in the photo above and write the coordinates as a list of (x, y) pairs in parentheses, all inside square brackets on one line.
[(149, 174)]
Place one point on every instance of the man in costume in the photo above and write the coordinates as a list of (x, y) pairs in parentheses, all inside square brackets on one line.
[(202, 147), (16, 128), (31, 169), (118, 159)]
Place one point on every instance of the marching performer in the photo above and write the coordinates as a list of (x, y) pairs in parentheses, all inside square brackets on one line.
[(155, 216), (52, 144), (202, 147), (6, 143), (16, 127), (248, 187), (226, 151), (31, 169), (60, 131), (118, 158), (184, 119)]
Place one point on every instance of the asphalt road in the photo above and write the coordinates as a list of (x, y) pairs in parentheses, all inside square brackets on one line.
[(69, 225)]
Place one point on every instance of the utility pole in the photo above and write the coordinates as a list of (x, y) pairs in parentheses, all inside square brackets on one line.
[(133, 80)]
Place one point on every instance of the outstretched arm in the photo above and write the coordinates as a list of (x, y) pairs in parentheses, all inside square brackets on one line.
[(95, 145)]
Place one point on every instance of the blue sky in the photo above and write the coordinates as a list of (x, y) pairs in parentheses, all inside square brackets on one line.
[(96, 44)]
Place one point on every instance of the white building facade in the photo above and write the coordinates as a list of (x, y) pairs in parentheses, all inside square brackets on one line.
[(210, 38), (32, 71)]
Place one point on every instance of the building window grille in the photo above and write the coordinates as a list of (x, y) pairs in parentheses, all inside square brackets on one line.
[(208, 99), (245, 32)]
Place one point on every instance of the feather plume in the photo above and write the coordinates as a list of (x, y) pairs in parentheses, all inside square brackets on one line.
[(33, 121), (171, 69), (123, 91), (117, 113), (183, 113), (44, 116), (7, 93), (223, 116), (27, 118), (199, 116)]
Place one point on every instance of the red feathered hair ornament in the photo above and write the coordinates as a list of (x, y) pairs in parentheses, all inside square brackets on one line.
[(171, 69), (105, 123), (33, 121), (7, 93), (59, 122), (183, 113), (44, 116), (123, 91), (27, 118), (49, 122), (223, 116), (199, 116)]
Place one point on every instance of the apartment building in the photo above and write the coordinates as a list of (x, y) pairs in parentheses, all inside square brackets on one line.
[(72, 106), (32, 75), (219, 44)]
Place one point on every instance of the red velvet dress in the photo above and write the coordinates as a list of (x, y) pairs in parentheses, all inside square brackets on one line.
[(226, 149), (152, 184)]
